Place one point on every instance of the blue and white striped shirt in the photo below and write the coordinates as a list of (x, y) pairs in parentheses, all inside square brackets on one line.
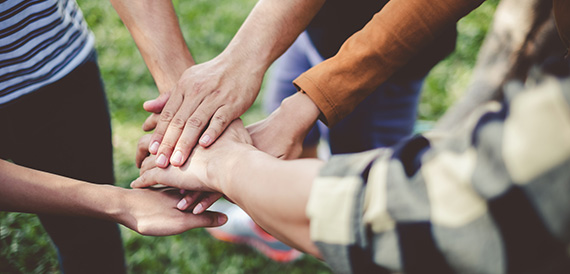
[(41, 41)]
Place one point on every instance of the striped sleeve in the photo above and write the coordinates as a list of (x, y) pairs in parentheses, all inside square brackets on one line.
[(41, 41), (493, 197)]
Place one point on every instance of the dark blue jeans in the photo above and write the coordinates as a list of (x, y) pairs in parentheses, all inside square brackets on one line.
[(64, 128)]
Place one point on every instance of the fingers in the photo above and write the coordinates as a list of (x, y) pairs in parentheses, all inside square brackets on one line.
[(180, 222), (153, 176), (151, 122), (142, 150), (166, 116), (147, 164), (170, 176), (183, 133), (206, 219), (206, 200), (198, 201), (188, 200), (219, 122), (156, 105)]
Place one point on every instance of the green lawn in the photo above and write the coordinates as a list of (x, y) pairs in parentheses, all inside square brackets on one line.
[(208, 26)]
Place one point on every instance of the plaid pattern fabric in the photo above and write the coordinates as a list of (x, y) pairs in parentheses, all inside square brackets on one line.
[(492, 197)]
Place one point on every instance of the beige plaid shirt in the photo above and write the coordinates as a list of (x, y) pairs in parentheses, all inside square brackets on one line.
[(493, 197)]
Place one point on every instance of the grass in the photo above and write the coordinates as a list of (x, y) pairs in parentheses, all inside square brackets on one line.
[(208, 26)]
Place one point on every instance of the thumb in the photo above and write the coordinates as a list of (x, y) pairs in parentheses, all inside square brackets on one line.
[(156, 105), (151, 177), (208, 219)]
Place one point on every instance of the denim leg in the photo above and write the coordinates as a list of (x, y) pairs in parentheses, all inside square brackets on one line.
[(64, 128), (296, 60), (382, 119)]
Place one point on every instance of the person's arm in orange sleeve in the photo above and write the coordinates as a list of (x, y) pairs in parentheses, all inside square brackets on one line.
[(369, 57)]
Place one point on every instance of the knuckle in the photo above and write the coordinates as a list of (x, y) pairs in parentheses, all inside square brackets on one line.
[(220, 119), (216, 92), (177, 123), (197, 87), (166, 116), (194, 122)]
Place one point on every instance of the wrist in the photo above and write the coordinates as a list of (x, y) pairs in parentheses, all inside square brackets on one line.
[(247, 172), (246, 55), (301, 105), (114, 207), (233, 170), (299, 113)]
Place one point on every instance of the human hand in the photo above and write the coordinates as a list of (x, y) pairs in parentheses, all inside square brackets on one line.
[(282, 133), (207, 167), (198, 201), (207, 98), (155, 213)]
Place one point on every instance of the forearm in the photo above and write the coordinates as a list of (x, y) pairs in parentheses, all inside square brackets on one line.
[(32, 191), (155, 29), (271, 27), (274, 193)]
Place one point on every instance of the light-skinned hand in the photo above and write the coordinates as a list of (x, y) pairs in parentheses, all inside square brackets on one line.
[(281, 134), (205, 169), (155, 213), (207, 98), (195, 201)]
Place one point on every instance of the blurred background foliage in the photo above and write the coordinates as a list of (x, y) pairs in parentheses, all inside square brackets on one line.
[(208, 26)]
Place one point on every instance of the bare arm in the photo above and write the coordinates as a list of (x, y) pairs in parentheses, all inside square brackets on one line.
[(211, 95), (145, 211), (276, 196), (155, 29), (274, 192)]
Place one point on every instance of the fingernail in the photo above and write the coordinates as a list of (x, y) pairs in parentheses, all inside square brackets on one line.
[(176, 158), (161, 160), (198, 209), (222, 219), (205, 139), (182, 191), (182, 204), (153, 147)]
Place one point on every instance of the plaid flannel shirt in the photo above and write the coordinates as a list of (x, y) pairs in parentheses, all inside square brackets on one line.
[(492, 197)]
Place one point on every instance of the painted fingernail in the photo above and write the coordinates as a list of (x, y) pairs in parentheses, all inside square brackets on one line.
[(153, 147), (161, 160), (182, 204), (176, 158), (198, 209), (205, 139)]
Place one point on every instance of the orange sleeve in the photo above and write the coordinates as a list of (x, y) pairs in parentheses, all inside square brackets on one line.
[(369, 57)]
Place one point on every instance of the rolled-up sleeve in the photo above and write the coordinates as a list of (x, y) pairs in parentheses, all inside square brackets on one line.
[(369, 57), (493, 197)]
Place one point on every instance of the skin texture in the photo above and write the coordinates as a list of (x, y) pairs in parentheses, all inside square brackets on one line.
[(154, 27), (209, 96), (148, 212), (273, 192), (156, 32), (282, 133)]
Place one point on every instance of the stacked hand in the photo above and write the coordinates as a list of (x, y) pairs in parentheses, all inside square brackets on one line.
[(154, 212), (203, 172), (207, 98)]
